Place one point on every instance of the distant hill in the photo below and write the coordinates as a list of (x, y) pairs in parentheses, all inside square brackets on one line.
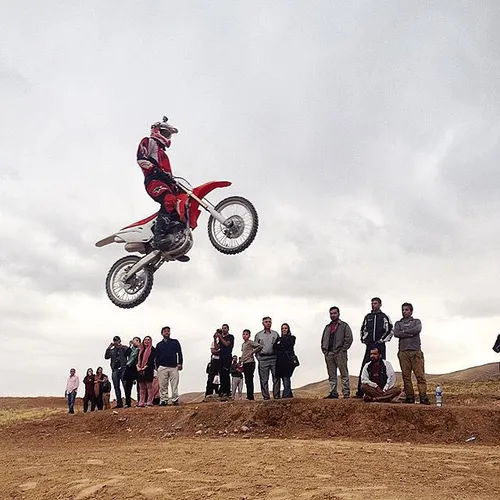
[(482, 373)]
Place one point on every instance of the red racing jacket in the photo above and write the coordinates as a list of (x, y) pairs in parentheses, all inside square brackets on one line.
[(151, 156)]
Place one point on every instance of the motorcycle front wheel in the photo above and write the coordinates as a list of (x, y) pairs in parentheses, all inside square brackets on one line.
[(240, 229), (132, 292)]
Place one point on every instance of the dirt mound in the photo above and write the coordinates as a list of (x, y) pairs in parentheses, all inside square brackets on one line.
[(297, 418)]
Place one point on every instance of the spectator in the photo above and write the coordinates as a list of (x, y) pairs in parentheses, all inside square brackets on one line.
[(216, 384), (285, 359), (209, 389), (410, 355), (131, 370), (89, 397), (226, 344), (335, 342), (71, 389), (248, 349), (378, 380), (117, 353), (267, 359), (213, 367), (156, 388), (145, 371), (106, 392), (375, 331), (496, 345), (236, 372), (213, 382), (168, 363), (97, 388)]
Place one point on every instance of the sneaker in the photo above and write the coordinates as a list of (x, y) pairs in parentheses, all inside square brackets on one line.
[(409, 400), (331, 396), (424, 400), (346, 396), (163, 403)]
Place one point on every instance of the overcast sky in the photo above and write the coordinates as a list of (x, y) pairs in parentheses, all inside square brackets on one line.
[(366, 133)]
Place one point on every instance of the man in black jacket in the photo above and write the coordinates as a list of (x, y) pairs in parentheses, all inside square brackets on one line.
[(226, 344), (375, 331), (168, 363), (117, 353), (496, 348)]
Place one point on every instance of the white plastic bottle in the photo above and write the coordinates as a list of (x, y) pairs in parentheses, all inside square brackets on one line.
[(439, 396)]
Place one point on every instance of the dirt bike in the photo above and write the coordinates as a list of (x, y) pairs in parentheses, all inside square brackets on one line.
[(232, 227)]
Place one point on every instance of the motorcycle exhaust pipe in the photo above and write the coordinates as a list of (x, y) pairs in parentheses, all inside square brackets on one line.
[(145, 261), (135, 247)]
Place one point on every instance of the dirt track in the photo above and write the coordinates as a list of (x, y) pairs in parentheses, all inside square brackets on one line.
[(235, 468), (310, 449)]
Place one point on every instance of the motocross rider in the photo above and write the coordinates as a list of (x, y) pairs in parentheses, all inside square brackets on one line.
[(159, 183)]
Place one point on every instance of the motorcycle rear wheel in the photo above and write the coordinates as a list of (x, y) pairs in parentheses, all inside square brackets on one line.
[(134, 291), (239, 234)]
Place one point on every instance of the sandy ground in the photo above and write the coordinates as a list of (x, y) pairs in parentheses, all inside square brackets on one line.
[(237, 468), (305, 448)]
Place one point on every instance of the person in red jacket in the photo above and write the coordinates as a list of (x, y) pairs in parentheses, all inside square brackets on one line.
[(159, 183)]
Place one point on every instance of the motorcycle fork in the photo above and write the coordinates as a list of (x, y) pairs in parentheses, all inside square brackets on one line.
[(207, 206), (142, 263)]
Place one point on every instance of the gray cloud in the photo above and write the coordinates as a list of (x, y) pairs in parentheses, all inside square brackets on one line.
[(366, 136)]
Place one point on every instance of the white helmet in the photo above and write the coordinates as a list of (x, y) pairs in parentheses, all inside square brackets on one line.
[(162, 131)]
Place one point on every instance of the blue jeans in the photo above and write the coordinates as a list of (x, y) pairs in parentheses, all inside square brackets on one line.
[(287, 387), (117, 377), (71, 401)]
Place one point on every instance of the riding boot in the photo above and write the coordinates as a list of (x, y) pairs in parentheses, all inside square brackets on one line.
[(160, 230), (167, 227)]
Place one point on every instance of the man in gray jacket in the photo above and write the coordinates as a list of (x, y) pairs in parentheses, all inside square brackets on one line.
[(336, 340), (411, 357), (267, 359)]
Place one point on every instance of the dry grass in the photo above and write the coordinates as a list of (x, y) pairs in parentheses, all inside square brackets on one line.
[(10, 417)]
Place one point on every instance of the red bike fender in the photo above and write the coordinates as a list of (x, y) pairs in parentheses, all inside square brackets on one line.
[(204, 189), (200, 192)]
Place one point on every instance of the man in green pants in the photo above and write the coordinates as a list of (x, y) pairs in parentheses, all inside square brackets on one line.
[(411, 357)]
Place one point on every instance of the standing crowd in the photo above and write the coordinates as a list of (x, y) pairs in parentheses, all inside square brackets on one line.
[(377, 379), (155, 370), (151, 369), (97, 390), (272, 353)]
